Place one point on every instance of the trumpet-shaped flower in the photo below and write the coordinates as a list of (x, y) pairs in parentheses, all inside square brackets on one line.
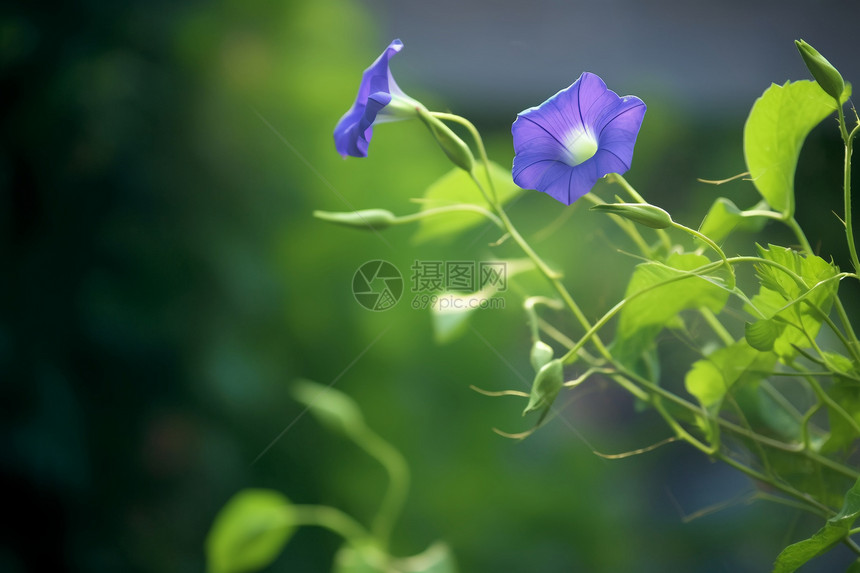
[(379, 99), (574, 138)]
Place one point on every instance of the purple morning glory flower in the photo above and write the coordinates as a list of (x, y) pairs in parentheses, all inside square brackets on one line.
[(379, 99), (574, 138)]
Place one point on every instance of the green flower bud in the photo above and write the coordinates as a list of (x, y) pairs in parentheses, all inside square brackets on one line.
[(644, 214), (546, 386), (541, 354), (365, 219), (827, 76), (454, 147)]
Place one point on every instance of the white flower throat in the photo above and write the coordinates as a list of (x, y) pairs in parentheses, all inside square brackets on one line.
[(579, 145)]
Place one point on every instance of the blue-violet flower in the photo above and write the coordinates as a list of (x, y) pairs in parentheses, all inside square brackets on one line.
[(574, 138), (379, 100)]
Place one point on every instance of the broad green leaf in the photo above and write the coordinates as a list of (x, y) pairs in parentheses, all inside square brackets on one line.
[(840, 364), (762, 334), (724, 216), (658, 306), (332, 407), (458, 187), (711, 378), (836, 528), (762, 409), (779, 296), (775, 131), (249, 532)]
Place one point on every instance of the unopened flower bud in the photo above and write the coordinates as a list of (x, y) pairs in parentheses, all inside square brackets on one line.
[(365, 219), (827, 76), (454, 147), (644, 214), (546, 386), (541, 354)]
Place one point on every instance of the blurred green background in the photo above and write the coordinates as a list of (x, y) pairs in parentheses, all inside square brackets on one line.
[(164, 282)]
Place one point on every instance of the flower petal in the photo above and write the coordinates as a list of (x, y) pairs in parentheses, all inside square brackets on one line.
[(354, 130)]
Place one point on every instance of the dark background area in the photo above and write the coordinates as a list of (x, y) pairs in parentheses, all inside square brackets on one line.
[(163, 280)]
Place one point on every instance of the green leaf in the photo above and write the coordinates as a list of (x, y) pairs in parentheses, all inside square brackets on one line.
[(456, 187), (840, 364), (762, 334), (658, 306), (332, 407), (711, 378), (775, 131), (780, 296), (836, 529), (249, 532), (724, 216)]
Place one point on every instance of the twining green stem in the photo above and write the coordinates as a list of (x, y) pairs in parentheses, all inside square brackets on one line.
[(762, 454), (479, 142), (607, 316), (553, 278), (562, 339), (779, 398), (804, 427), (330, 518), (792, 224), (824, 398), (680, 431), (638, 385), (682, 275), (398, 474), (534, 321), (852, 348), (717, 326), (849, 328), (764, 496), (854, 345), (492, 199), (849, 230), (710, 243), (448, 209), (813, 505)]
